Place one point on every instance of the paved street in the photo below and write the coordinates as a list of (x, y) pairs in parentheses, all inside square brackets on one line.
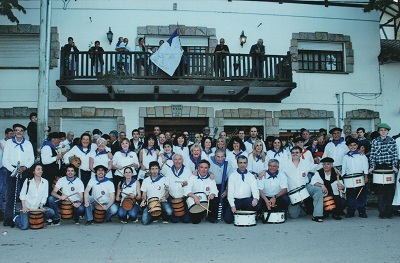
[(301, 240)]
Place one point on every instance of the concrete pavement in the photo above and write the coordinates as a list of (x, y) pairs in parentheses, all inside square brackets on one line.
[(297, 240)]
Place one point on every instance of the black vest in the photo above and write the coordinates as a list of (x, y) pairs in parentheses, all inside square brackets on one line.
[(328, 184), (52, 168)]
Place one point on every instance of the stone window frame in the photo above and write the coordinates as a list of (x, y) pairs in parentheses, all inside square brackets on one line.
[(29, 29), (360, 114), (166, 112), (55, 115), (327, 38), (302, 113), (247, 113)]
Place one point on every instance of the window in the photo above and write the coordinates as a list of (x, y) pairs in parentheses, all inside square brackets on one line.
[(321, 57)]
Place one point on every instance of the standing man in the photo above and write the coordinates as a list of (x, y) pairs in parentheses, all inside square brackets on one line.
[(206, 131), (96, 55), (243, 191), (384, 156), (362, 141), (242, 135), (115, 147), (220, 54), (103, 191), (72, 190), (51, 158), (18, 154), (142, 134), (123, 58), (135, 142), (258, 52), (70, 138), (9, 133), (253, 138), (337, 148), (71, 60)]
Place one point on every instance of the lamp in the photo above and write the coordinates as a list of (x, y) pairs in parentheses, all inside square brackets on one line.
[(242, 38), (110, 35)]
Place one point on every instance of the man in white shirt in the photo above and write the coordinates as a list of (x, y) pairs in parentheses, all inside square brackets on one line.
[(103, 191), (296, 171), (243, 193), (18, 153), (9, 133), (71, 189), (203, 183), (273, 189), (336, 148), (178, 176)]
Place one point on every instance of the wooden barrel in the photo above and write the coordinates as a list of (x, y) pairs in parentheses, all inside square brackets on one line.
[(179, 206), (67, 210), (99, 215), (329, 203), (36, 220), (128, 203), (154, 206)]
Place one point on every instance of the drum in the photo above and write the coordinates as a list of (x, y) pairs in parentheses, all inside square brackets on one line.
[(75, 161), (154, 206), (383, 177), (36, 220), (276, 217), (179, 206), (99, 215), (56, 178), (128, 203), (67, 209), (353, 180), (245, 218), (329, 203), (195, 209), (298, 194)]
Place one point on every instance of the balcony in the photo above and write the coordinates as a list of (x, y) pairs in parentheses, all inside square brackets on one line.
[(86, 76)]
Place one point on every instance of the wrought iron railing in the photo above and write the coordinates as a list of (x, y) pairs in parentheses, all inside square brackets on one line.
[(137, 65)]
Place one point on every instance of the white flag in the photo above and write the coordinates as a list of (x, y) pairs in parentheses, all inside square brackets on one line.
[(169, 55)]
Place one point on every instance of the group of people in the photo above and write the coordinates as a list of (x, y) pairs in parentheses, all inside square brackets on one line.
[(167, 176)]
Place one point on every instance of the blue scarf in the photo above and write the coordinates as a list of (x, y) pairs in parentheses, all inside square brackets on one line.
[(100, 153), (336, 143), (209, 152), (157, 179), (126, 153), (168, 157), (258, 157), (250, 141), (81, 148), (180, 171), (72, 181), (277, 152), (105, 179), (272, 176), (196, 163), (181, 147), (237, 155), (242, 174), (124, 185), (18, 143), (149, 151), (351, 154), (216, 163), (202, 178), (48, 143)]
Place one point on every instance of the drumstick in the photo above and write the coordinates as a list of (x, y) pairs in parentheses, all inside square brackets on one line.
[(205, 208), (177, 181), (208, 205), (360, 192), (340, 191), (95, 199), (34, 210), (67, 196)]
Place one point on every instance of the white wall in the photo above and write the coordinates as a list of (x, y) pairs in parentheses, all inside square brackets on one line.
[(315, 91)]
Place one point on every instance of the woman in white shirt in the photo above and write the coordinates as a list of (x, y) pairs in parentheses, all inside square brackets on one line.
[(124, 158)]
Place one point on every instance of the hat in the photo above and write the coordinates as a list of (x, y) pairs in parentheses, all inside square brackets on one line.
[(298, 139), (100, 166), (17, 125), (385, 126), (327, 160), (351, 140), (335, 129), (53, 135)]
